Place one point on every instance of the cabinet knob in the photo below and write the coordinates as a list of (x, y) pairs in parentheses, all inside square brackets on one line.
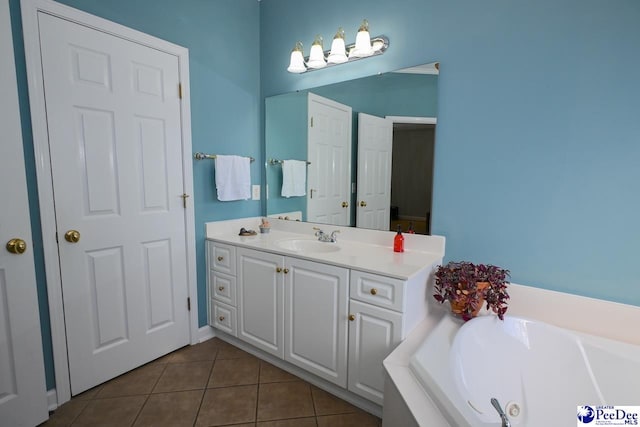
[(278, 270), (220, 258), (352, 317), (286, 271), (221, 288), (221, 318), (373, 291)]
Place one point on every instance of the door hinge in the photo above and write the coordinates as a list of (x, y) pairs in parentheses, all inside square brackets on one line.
[(311, 121), (180, 90), (57, 237), (188, 304)]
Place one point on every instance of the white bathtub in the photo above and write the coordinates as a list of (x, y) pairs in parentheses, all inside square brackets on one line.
[(538, 372)]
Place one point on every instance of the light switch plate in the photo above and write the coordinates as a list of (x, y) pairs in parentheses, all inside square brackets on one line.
[(255, 192)]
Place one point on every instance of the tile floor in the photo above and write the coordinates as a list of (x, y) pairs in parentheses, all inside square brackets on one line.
[(209, 384)]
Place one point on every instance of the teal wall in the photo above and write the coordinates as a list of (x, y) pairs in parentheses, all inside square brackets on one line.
[(225, 106), (537, 159)]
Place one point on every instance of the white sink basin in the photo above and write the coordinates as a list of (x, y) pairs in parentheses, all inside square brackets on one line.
[(307, 245)]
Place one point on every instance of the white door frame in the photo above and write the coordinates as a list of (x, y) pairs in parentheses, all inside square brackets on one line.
[(30, 10)]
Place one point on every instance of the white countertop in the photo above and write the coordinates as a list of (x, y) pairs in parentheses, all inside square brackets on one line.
[(364, 250)]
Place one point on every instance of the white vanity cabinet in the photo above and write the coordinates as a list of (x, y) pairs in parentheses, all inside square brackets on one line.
[(320, 317), (221, 270), (316, 303)]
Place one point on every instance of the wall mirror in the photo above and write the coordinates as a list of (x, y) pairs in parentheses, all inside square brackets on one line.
[(363, 148)]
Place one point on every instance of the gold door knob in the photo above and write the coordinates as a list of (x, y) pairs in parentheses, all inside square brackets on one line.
[(363, 203), (352, 317), (278, 270), (221, 288), (220, 258), (286, 271), (72, 236), (16, 246), (373, 291), (221, 318), (345, 204)]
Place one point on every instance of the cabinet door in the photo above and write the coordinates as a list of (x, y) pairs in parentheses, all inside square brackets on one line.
[(316, 302), (373, 334), (260, 300)]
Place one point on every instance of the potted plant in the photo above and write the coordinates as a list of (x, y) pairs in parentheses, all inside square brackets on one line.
[(467, 286)]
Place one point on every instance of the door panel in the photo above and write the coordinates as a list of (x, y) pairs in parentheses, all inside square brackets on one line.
[(116, 159), (23, 399), (375, 142), (329, 151), (260, 299)]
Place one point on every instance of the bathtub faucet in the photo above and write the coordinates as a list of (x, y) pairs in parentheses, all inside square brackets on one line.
[(503, 416)]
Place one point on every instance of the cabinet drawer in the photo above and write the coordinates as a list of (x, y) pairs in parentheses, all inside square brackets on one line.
[(222, 258), (223, 317), (222, 287), (377, 290)]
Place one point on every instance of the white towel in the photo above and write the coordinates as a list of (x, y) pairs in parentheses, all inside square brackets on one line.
[(294, 178), (233, 178)]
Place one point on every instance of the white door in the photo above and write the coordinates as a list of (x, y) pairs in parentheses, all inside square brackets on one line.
[(373, 334), (316, 302), (260, 299), (329, 151), (375, 142), (23, 395), (114, 124)]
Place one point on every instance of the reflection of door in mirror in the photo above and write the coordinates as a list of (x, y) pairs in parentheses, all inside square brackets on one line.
[(329, 151), (375, 141)]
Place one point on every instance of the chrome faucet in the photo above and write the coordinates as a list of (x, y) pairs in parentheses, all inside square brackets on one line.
[(503, 416), (324, 237)]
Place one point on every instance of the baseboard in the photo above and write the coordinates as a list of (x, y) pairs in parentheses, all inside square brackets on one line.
[(52, 399), (206, 333)]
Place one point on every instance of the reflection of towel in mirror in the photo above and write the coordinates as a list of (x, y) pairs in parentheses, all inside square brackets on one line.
[(294, 178), (233, 178)]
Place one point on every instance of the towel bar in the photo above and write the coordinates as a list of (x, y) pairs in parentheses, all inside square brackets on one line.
[(203, 156)]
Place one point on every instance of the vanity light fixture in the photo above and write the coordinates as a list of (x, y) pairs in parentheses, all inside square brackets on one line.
[(364, 47)]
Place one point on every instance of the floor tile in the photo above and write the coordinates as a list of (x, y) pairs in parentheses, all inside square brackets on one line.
[(184, 376), (89, 394), (138, 381), (328, 404), (272, 374), (66, 414), (197, 353), (230, 372), (112, 412), (170, 409), (284, 400), (227, 351), (358, 419), (229, 405), (295, 422)]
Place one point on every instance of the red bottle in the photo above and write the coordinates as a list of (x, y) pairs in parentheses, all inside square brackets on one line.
[(398, 241)]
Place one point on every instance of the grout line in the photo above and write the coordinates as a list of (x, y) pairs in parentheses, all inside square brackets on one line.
[(205, 387)]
